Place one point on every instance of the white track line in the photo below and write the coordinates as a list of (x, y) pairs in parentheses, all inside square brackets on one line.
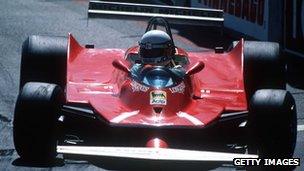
[(300, 127)]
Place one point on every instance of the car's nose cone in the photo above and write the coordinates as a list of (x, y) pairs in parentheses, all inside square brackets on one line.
[(157, 143)]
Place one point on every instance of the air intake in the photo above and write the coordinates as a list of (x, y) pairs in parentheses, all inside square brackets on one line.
[(157, 109)]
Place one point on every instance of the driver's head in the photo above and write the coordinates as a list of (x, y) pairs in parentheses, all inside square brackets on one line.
[(156, 48)]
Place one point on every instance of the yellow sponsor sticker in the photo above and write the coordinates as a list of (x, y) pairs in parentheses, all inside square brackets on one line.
[(158, 97)]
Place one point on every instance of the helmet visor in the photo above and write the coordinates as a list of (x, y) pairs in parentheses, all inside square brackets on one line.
[(152, 56)]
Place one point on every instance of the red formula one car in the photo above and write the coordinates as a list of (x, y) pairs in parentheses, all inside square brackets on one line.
[(80, 100)]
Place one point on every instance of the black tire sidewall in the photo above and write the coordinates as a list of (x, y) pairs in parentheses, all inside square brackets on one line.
[(272, 121), (264, 67), (35, 121), (44, 60)]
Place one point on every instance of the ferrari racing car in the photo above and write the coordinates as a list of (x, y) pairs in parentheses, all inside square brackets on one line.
[(154, 100)]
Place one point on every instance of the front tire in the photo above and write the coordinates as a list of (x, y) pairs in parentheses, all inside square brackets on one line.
[(273, 120), (264, 66), (35, 121), (44, 59)]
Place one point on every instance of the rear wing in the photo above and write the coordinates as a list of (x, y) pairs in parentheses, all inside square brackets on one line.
[(174, 14)]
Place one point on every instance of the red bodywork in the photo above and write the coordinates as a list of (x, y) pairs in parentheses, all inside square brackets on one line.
[(218, 88)]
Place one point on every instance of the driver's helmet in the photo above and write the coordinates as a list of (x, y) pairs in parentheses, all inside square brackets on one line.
[(156, 48)]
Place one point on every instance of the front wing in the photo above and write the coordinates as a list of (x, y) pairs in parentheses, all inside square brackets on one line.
[(152, 153)]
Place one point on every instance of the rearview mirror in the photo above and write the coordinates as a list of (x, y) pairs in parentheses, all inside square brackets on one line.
[(196, 68), (120, 65)]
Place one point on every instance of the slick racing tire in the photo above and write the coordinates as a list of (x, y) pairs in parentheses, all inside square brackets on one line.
[(264, 66), (35, 121), (273, 121), (43, 60)]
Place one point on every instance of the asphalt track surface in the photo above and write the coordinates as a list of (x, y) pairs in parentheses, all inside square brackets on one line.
[(19, 19)]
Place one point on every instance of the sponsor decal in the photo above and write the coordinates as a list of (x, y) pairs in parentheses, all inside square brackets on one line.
[(138, 87), (178, 89), (108, 87), (205, 91), (158, 97)]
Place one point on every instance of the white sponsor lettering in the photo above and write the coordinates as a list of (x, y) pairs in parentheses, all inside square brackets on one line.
[(138, 87), (205, 91), (179, 88)]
